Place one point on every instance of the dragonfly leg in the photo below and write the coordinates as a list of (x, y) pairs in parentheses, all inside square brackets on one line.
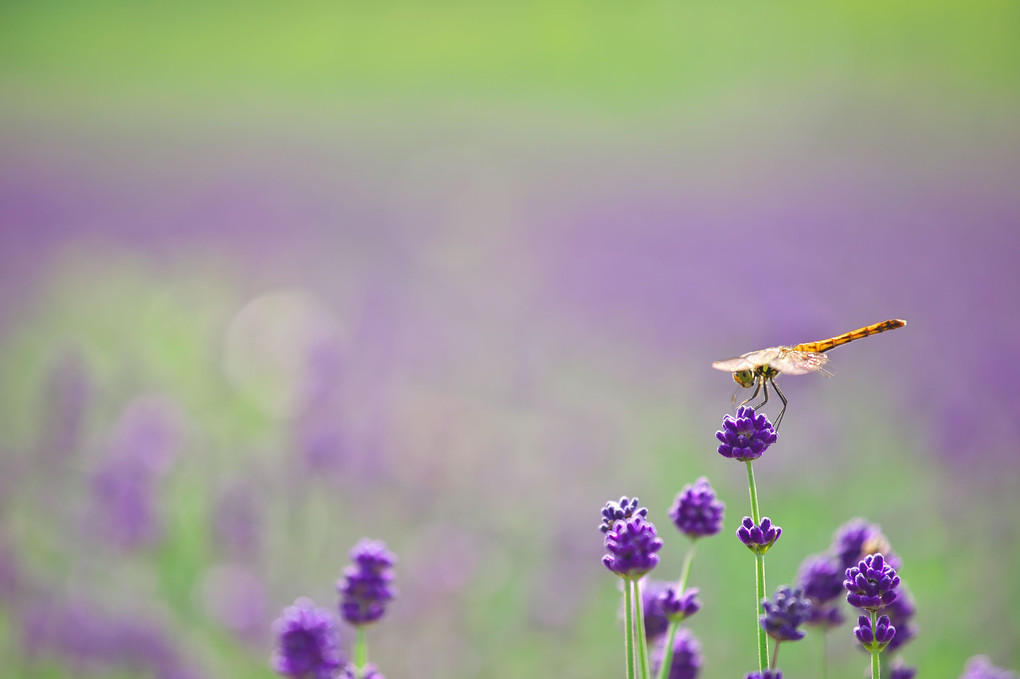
[(783, 399), (757, 388), (764, 393)]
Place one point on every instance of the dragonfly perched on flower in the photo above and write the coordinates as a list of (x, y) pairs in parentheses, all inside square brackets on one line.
[(758, 369)]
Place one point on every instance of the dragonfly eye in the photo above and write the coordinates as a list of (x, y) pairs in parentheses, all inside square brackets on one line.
[(744, 378)]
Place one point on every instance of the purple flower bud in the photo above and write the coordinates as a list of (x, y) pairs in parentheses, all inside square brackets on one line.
[(871, 584), (856, 539), (767, 674), (307, 642), (874, 639), (821, 578), (785, 613), (679, 607), (758, 538), (686, 662), (745, 437), (620, 511), (696, 512), (632, 545), (367, 585)]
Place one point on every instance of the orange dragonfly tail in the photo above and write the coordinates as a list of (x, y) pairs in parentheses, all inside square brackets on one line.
[(826, 344)]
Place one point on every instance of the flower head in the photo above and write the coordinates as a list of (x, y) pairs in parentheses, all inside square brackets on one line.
[(686, 662), (367, 585), (620, 511), (874, 638), (307, 642), (758, 538), (745, 437), (821, 578), (697, 512), (787, 611), (632, 545), (871, 584), (679, 607), (856, 539)]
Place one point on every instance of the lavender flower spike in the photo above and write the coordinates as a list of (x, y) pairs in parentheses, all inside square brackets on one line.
[(367, 585), (877, 638), (676, 608), (745, 437), (686, 660), (871, 584), (697, 512), (307, 642), (758, 538), (787, 611), (632, 545)]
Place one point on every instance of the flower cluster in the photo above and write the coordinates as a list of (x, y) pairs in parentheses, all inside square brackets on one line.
[(821, 579), (307, 637), (679, 607), (686, 660), (767, 674), (745, 437), (875, 638), (632, 544), (367, 584), (308, 642), (697, 512), (871, 584), (758, 538), (783, 616)]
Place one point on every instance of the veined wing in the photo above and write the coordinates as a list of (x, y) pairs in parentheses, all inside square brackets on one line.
[(751, 360), (794, 362)]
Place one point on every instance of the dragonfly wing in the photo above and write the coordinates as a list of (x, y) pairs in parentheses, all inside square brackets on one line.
[(750, 360), (799, 362)]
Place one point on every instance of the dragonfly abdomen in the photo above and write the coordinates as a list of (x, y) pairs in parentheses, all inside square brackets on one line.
[(826, 344)]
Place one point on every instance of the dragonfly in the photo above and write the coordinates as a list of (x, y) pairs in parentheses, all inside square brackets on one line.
[(759, 369)]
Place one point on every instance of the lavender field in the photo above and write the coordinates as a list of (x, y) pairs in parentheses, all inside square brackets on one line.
[(274, 280)]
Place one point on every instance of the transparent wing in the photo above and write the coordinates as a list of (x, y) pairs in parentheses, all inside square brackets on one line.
[(750, 360), (798, 362)]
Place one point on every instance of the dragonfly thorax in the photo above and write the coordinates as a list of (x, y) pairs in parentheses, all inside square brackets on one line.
[(748, 378)]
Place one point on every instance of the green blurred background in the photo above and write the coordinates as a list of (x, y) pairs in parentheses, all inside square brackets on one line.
[(451, 275)]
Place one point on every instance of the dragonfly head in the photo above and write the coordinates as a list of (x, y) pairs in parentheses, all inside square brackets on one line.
[(744, 378)]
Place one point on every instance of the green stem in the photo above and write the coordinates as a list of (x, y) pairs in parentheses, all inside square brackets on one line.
[(876, 670), (759, 577), (628, 623), (667, 654), (685, 573), (775, 654), (642, 639), (825, 654), (755, 516), (360, 648)]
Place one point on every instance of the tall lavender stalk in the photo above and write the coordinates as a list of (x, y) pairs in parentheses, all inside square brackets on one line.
[(745, 438), (631, 544)]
